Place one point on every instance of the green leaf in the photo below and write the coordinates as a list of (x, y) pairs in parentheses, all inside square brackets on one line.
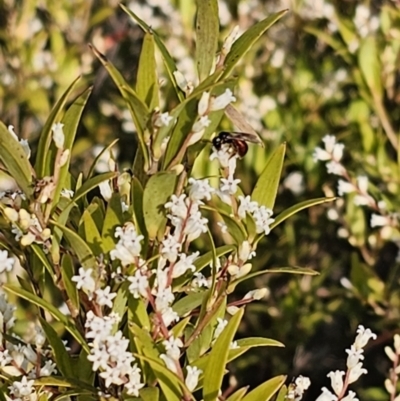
[(296, 208), (168, 60), (207, 30), (137, 313), (46, 306), (93, 183), (120, 301), (157, 192), (369, 63), (139, 110), (43, 258), (266, 390), (43, 158), (188, 303), (146, 80), (55, 381), (88, 230), (235, 228), (78, 245), (15, 160), (137, 204), (242, 45), (205, 259), (267, 185), (215, 370), (170, 384), (149, 393), (71, 122), (252, 342), (60, 353), (113, 219), (282, 394), (67, 271), (291, 270), (238, 395)]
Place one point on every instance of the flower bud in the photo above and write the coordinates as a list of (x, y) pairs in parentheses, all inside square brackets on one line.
[(11, 214)]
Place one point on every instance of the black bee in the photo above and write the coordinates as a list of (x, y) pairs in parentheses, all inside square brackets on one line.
[(237, 142)]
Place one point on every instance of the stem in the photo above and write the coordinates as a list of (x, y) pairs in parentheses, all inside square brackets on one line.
[(384, 119)]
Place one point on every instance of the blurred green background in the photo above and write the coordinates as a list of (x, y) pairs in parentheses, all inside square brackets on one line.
[(326, 67)]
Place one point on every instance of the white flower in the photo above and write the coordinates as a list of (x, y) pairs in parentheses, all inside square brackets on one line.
[(163, 120), (229, 185), (302, 384), (6, 263), (345, 187), (99, 358), (362, 182), (67, 193), (172, 347), (200, 189), (350, 397), (263, 220), (5, 358), (225, 157), (168, 316), (336, 381), (246, 206), (23, 142), (246, 252), (326, 395), (111, 375), (257, 294), (202, 107), (139, 284), (58, 135), (195, 225), (198, 126), (84, 280), (184, 264), (221, 101), (6, 313), (336, 168), (106, 190), (222, 323), (236, 272), (169, 362), (230, 39), (379, 221), (180, 80), (134, 384), (48, 369), (177, 206), (128, 247), (356, 372), (354, 356), (105, 297), (22, 389), (199, 280), (192, 377), (364, 335), (170, 248)]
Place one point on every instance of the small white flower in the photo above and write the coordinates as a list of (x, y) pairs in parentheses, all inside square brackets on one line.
[(195, 226), (172, 347), (106, 190), (246, 206), (169, 362), (362, 182), (139, 284), (354, 356), (163, 120), (229, 185), (226, 47), (222, 323), (105, 297), (246, 252), (58, 135), (364, 335), (257, 294), (379, 221), (200, 189), (128, 248), (345, 187), (199, 280), (199, 125), (177, 206), (326, 395), (192, 377), (263, 220), (356, 372), (184, 264), (48, 369), (334, 167), (223, 227), (22, 389), (203, 103), (84, 280), (168, 316), (302, 384), (67, 193), (221, 101), (336, 381), (180, 80), (6, 263), (5, 358), (170, 248), (350, 397)]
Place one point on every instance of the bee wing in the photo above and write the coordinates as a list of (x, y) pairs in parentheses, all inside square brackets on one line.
[(240, 122)]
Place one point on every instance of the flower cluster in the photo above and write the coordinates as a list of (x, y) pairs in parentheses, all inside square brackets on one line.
[(109, 353), (394, 355), (340, 380)]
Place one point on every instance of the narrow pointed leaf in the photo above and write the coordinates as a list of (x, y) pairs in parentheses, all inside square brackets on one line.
[(247, 40), (54, 311), (113, 219), (215, 370), (266, 390), (267, 185), (207, 29), (157, 192), (15, 160), (43, 157), (147, 81), (169, 62), (238, 395)]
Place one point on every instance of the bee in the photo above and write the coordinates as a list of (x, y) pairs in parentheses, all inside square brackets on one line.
[(237, 142)]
